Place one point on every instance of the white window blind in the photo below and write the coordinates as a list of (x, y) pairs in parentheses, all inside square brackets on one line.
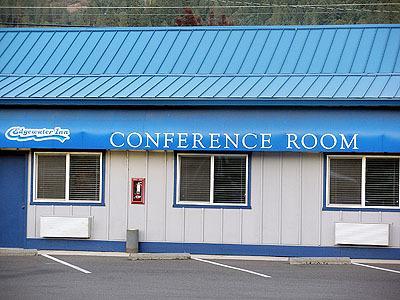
[(345, 181), (229, 179), (51, 176), (67, 177), (195, 178), (364, 180), (212, 179), (382, 182), (84, 178)]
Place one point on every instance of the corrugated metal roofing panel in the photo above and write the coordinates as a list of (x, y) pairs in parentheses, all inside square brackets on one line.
[(391, 52), (36, 87), (321, 52), (377, 50), (217, 86), (229, 88), (115, 87), (174, 86), (13, 85), (317, 87), (41, 57), (129, 88), (161, 86), (225, 87), (259, 87), (120, 54), (45, 90), (145, 87), (201, 50), (240, 89), (389, 91), (359, 89), (376, 87), (347, 86), (174, 53)]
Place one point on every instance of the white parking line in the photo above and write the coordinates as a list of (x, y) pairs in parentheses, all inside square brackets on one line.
[(230, 267), (65, 263), (377, 268)]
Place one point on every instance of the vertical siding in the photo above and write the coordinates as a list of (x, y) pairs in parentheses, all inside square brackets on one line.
[(156, 186), (271, 198), (311, 204), (251, 218), (118, 196), (212, 226), (231, 225), (291, 198), (174, 218), (286, 205)]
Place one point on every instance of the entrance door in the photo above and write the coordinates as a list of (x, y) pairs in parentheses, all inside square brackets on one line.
[(13, 199)]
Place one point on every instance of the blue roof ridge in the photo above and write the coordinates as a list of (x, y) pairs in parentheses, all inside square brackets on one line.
[(188, 28), (203, 75)]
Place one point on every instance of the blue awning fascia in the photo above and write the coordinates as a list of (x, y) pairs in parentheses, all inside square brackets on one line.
[(176, 102)]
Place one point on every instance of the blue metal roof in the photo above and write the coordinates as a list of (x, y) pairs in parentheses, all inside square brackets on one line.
[(86, 87), (264, 63)]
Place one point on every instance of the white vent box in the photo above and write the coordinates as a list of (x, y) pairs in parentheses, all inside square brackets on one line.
[(65, 227), (362, 234)]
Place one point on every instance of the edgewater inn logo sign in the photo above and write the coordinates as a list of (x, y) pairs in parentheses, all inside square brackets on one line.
[(22, 134), (234, 141)]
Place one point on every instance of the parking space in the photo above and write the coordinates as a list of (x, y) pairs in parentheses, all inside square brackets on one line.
[(41, 277)]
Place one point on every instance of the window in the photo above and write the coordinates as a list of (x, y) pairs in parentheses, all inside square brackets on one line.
[(363, 181), (68, 177), (212, 179)]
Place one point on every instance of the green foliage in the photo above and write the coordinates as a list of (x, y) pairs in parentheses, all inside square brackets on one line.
[(205, 12)]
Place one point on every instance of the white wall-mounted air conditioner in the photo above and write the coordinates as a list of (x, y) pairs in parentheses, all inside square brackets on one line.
[(65, 227), (362, 234)]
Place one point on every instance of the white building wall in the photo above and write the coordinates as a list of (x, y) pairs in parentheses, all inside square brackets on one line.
[(286, 201)]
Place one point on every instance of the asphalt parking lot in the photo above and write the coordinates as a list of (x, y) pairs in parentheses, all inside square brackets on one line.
[(38, 277)]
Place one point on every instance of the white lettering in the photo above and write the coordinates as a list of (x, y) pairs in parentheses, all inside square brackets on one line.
[(149, 138), (214, 138), (182, 138), (245, 143), (128, 140), (303, 141), (112, 139), (235, 143), (291, 139), (266, 141), (197, 137), (347, 144), (168, 139), (333, 139)]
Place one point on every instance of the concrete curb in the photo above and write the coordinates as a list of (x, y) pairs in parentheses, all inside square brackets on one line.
[(18, 252), (83, 253), (319, 260), (159, 256)]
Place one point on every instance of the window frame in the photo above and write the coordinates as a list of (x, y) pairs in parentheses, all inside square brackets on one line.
[(66, 201), (210, 203), (362, 205)]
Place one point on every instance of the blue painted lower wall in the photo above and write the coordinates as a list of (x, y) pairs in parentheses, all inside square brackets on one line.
[(272, 250), (222, 249), (79, 245)]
